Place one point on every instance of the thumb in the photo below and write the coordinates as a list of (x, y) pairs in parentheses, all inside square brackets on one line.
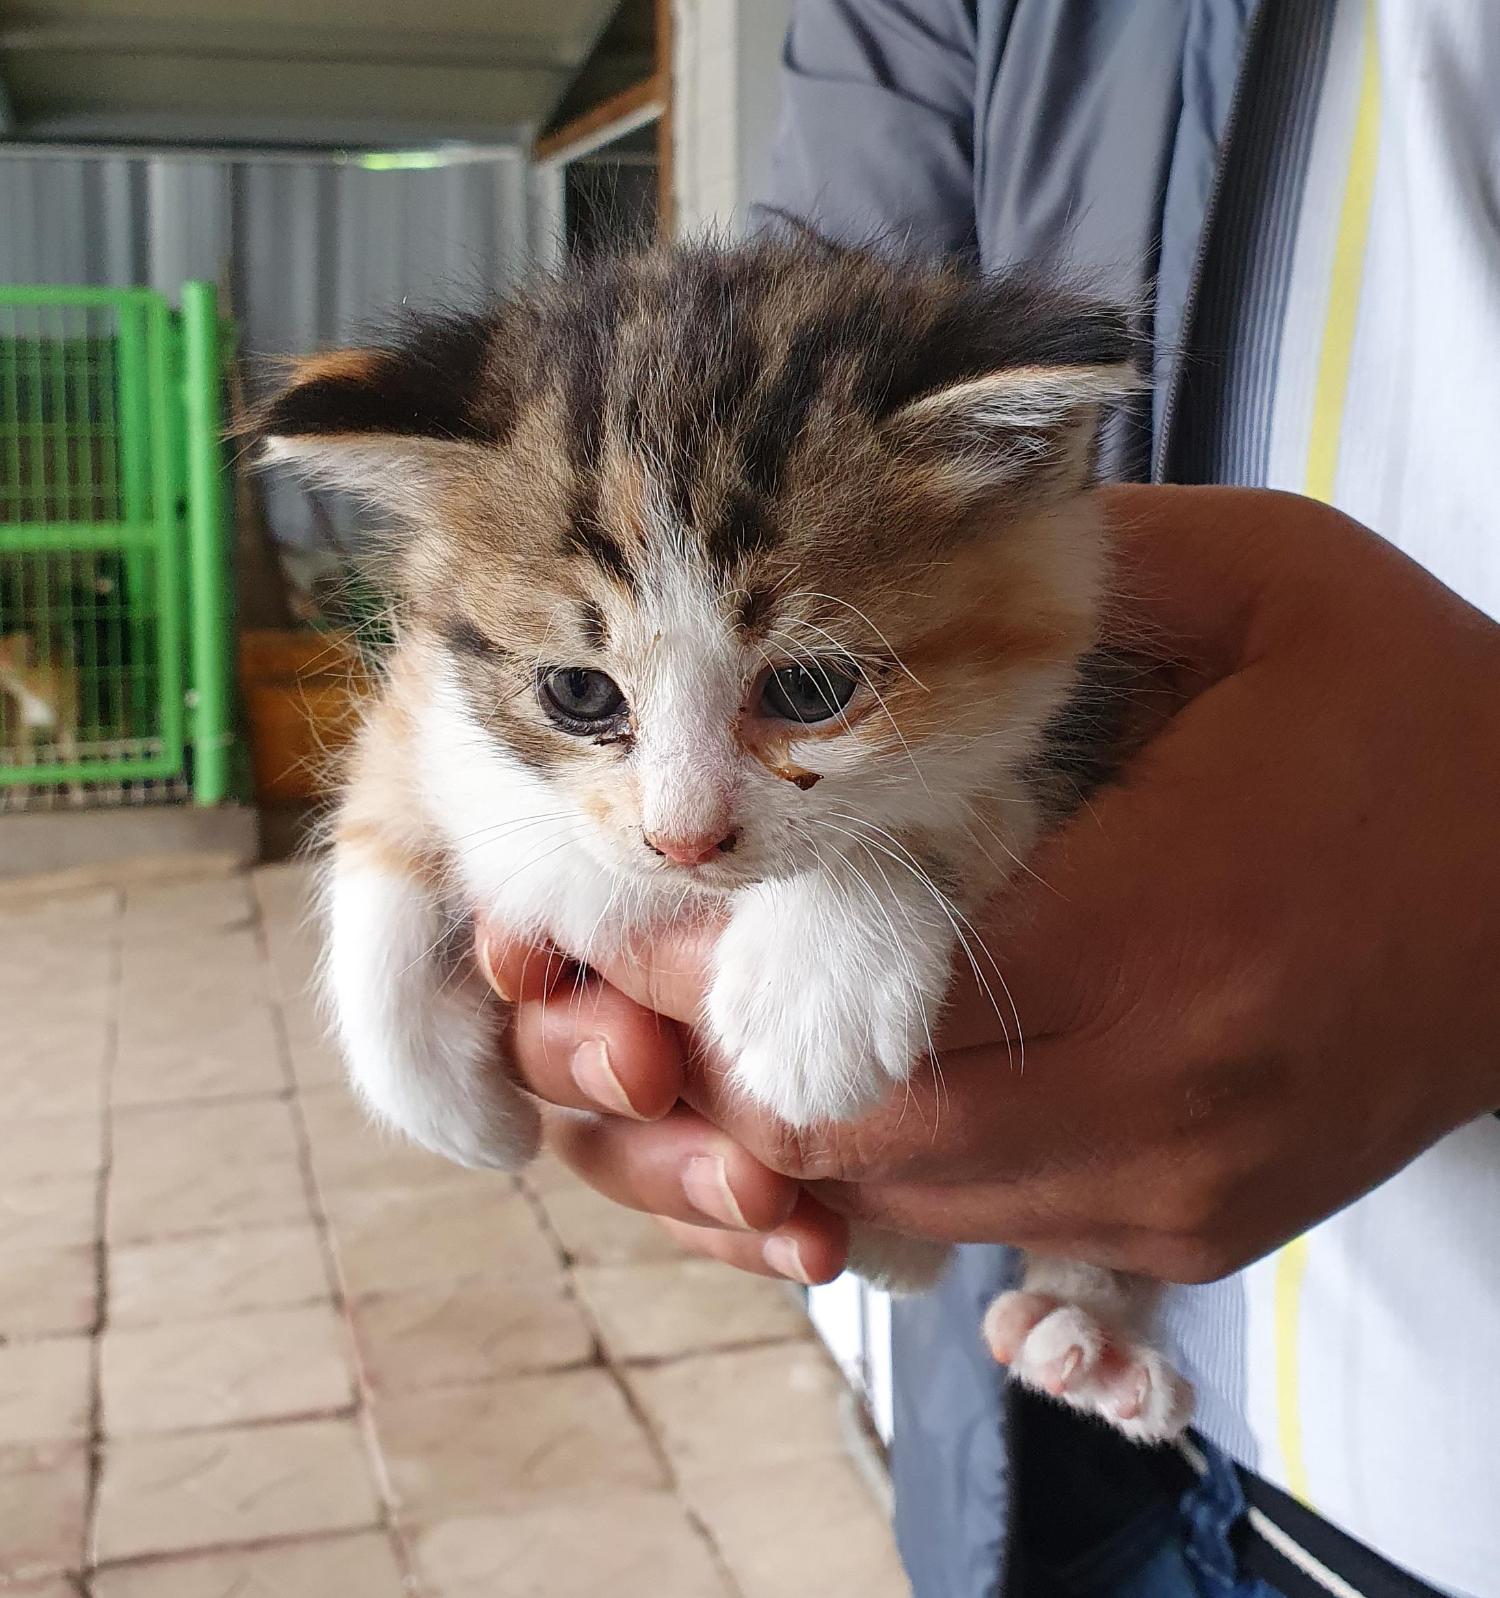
[(517, 968), (668, 972)]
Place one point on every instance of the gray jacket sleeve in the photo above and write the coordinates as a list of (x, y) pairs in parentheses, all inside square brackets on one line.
[(876, 138)]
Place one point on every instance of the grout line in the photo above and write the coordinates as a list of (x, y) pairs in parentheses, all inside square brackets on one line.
[(362, 1412), (180, 1556), (101, 1244), (226, 1100), (247, 1423)]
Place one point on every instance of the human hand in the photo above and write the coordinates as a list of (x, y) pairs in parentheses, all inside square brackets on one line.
[(1254, 978)]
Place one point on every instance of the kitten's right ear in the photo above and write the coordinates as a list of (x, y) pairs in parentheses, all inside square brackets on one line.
[(388, 423)]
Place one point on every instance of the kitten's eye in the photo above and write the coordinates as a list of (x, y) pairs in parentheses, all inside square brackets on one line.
[(579, 700), (807, 693)]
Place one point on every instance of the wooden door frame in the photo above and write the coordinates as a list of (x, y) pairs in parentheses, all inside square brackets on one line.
[(643, 103)]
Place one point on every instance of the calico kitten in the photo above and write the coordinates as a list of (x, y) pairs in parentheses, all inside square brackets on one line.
[(751, 578)]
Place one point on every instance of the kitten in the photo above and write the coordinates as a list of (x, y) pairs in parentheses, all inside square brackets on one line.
[(46, 698), (749, 578)]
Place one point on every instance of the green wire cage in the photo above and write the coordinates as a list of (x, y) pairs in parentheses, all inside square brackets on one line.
[(114, 576)]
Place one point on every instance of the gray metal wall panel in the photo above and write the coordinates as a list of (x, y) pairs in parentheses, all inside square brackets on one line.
[(310, 252)]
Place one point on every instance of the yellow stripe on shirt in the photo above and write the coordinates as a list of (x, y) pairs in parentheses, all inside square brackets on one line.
[(1334, 359), (1337, 352)]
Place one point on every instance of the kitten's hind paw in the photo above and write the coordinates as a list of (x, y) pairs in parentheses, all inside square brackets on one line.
[(1066, 1351)]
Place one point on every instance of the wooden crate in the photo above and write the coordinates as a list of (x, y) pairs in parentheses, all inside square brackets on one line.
[(302, 692)]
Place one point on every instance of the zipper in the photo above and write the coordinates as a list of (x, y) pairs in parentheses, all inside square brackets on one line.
[(1205, 239)]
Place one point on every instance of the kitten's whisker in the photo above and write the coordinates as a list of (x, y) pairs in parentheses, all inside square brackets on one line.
[(896, 944), (880, 700), (859, 878), (514, 824), (1010, 853), (955, 917), (808, 593)]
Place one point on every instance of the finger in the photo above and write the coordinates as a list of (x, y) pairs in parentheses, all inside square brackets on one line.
[(667, 973), (980, 1117), (810, 1248), (587, 1046), (680, 1168), (517, 968)]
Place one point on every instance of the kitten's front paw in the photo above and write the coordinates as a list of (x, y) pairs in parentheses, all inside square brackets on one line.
[(807, 1045), (1071, 1353), (815, 1007), (443, 1084)]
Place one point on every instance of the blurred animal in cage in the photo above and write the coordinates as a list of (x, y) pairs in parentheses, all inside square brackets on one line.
[(43, 701)]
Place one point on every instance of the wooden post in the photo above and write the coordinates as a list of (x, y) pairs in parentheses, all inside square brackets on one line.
[(666, 183)]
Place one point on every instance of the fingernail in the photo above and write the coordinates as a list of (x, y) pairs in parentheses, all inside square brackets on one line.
[(491, 968), (706, 1183), (596, 1079), (784, 1257)]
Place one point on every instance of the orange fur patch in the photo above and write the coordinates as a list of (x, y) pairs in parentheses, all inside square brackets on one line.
[(376, 847), (348, 366)]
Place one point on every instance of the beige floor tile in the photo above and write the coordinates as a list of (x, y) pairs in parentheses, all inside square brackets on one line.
[(805, 1526), (207, 904), (476, 1329), (188, 1057), (219, 987), (266, 1365), (201, 1490), (32, 910), (199, 983), (284, 887), (316, 1062), (630, 1544), (351, 1155), (184, 970), (389, 1240), (246, 1133), (48, 1215), (204, 1167), (54, 1066), (46, 1290), (751, 1407), (272, 1267), (595, 1231), (361, 1566), (547, 1175), (46, 1389), (43, 1493), (659, 1311), (56, 1148), (487, 1450), (47, 1587)]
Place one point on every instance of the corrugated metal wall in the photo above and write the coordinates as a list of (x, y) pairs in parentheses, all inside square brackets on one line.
[(308, 250)]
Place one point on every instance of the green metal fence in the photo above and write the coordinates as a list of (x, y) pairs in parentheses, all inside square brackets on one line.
[(114, 577)]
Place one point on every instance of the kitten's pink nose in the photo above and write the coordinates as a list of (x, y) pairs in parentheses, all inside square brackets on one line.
[(691, 849)]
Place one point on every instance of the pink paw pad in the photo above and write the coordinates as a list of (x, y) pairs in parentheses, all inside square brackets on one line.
[(1068, 1352)]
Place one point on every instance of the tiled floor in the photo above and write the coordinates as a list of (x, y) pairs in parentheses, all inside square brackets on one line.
[(249, 1349)]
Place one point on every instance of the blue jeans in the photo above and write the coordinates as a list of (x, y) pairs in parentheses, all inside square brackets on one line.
[(1198, 1561)]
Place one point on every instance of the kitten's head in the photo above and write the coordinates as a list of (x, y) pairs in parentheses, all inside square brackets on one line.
[(738, 550)]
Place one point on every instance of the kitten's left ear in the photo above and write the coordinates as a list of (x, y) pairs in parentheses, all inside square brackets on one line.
[(1030, 429), (388, 423)]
